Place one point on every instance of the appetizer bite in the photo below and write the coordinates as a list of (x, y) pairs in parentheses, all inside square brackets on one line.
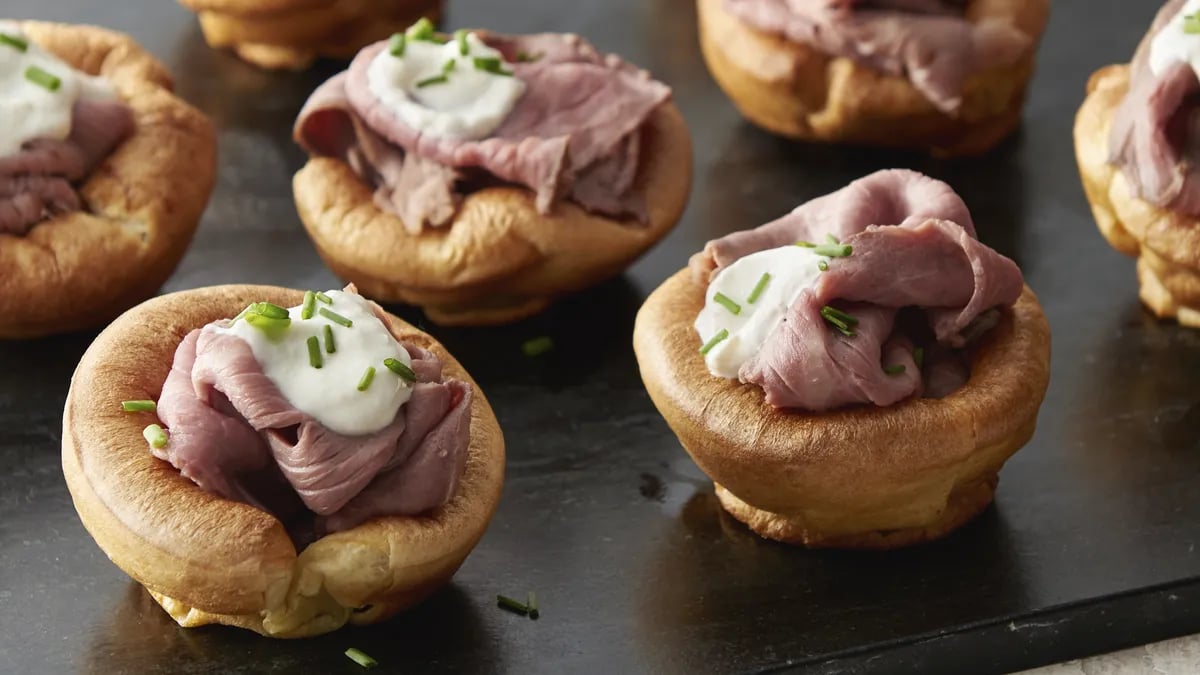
[(292, 470), (1139, 155), (854, 374), (481, 175), (943, 76), (104, 174), (291, 34)]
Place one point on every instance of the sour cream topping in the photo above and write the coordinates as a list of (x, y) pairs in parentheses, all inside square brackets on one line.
[(29, 109), (1179, 40), (330, 393), (760, 305), (440, 91)]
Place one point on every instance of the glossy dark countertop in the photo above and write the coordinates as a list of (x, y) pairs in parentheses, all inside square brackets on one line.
[(1090, 545)]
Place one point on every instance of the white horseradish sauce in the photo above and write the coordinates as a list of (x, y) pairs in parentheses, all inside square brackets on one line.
[(462, 89), (331, 393), (38, 91), (1179, 40)]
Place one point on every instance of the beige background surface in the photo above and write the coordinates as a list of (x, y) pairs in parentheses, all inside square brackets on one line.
[(1180, 656)]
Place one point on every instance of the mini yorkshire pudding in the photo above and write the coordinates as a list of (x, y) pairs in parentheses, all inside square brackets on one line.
[(795, 89), (207, 559), (1125, 129), (132, 215), (488, 225), (291, 34), (862, 477)]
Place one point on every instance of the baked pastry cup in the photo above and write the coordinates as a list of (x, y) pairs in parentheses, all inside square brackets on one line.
[(143, 201), (795, 90), (498, 260), (291, 34), (861, 477), (1166, 243), (208, 560)]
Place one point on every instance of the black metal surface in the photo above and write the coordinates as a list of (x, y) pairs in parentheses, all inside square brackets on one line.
[(1090, 546)]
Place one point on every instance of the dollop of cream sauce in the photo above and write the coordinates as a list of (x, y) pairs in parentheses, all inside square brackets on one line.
[(1173, 43), (792, 269), (30, 111), (469, 105), (330, 393)]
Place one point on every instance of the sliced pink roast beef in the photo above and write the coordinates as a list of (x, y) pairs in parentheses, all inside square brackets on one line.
[(38, 182), (929, 41)]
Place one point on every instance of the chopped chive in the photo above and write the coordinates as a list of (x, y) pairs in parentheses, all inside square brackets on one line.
[(155, 436), (430, 81), (14, 42), (897, 369), (1191, 24), (918, 354), (398, 367), (272, 327), (314, 352), (138, 406), (834, 250), (806, 244), (335, 317), (532, 605), (244, 312), (526, 57), (823, 265), (369, 376), (269, 310), (461, 36), (449, 66), (716, 339), (511, 605), (310, 305), (42, 79), (537, 346), (330, 346), (421, 30), (759, 288), (324, 298), (840, 320), (360, 657), (832, 239), (724, 301), (491, 64), (397, 45)]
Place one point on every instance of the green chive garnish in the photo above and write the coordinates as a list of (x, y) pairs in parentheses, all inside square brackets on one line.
[(716, 340), (400, 369), (897, 369), (823, 265), (806, 244), (532, 605), (268, 310), (324, 298), (421, 30), (272, 327), (449, 66), (14, 42), (430, 81), (511, 605), (138, 406), (537, 346), (759, 288), (42, 79), (368, 377), (330, 346), (361, 658), (834, 250), (335, 317), (155, 436), (525, 57), (491, 64), (314, 352), (918, 356), (461, 36), (1191, 24), (397, 45), (724, 301), (239, 317), (832, 239), (840, 320), (310, 305)]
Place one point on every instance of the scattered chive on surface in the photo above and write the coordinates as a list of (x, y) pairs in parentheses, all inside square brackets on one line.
[(360, 657), (897, 369), (269, 310), (42, 79), (324, 298), (421, 30), (330, 345), (139, 406), (724, 301), (14, 42), (489, 64), (834, 250), (532, 605), (368, 377), (461, 36), (314, 352), (156, 436), (400, 369), (759, 288), (806, 244), (1191, 24), (526, 57), (840, 320), (823, 265), (397, 45), (310, 305), (714, 341), (272, 327), (832, 239), (242, 315), (505, 602), (537, 346), (335, 317), (449, 66), (918, 356), (430, 81)]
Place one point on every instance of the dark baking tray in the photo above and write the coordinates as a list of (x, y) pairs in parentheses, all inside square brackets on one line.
[(1090, 546)]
